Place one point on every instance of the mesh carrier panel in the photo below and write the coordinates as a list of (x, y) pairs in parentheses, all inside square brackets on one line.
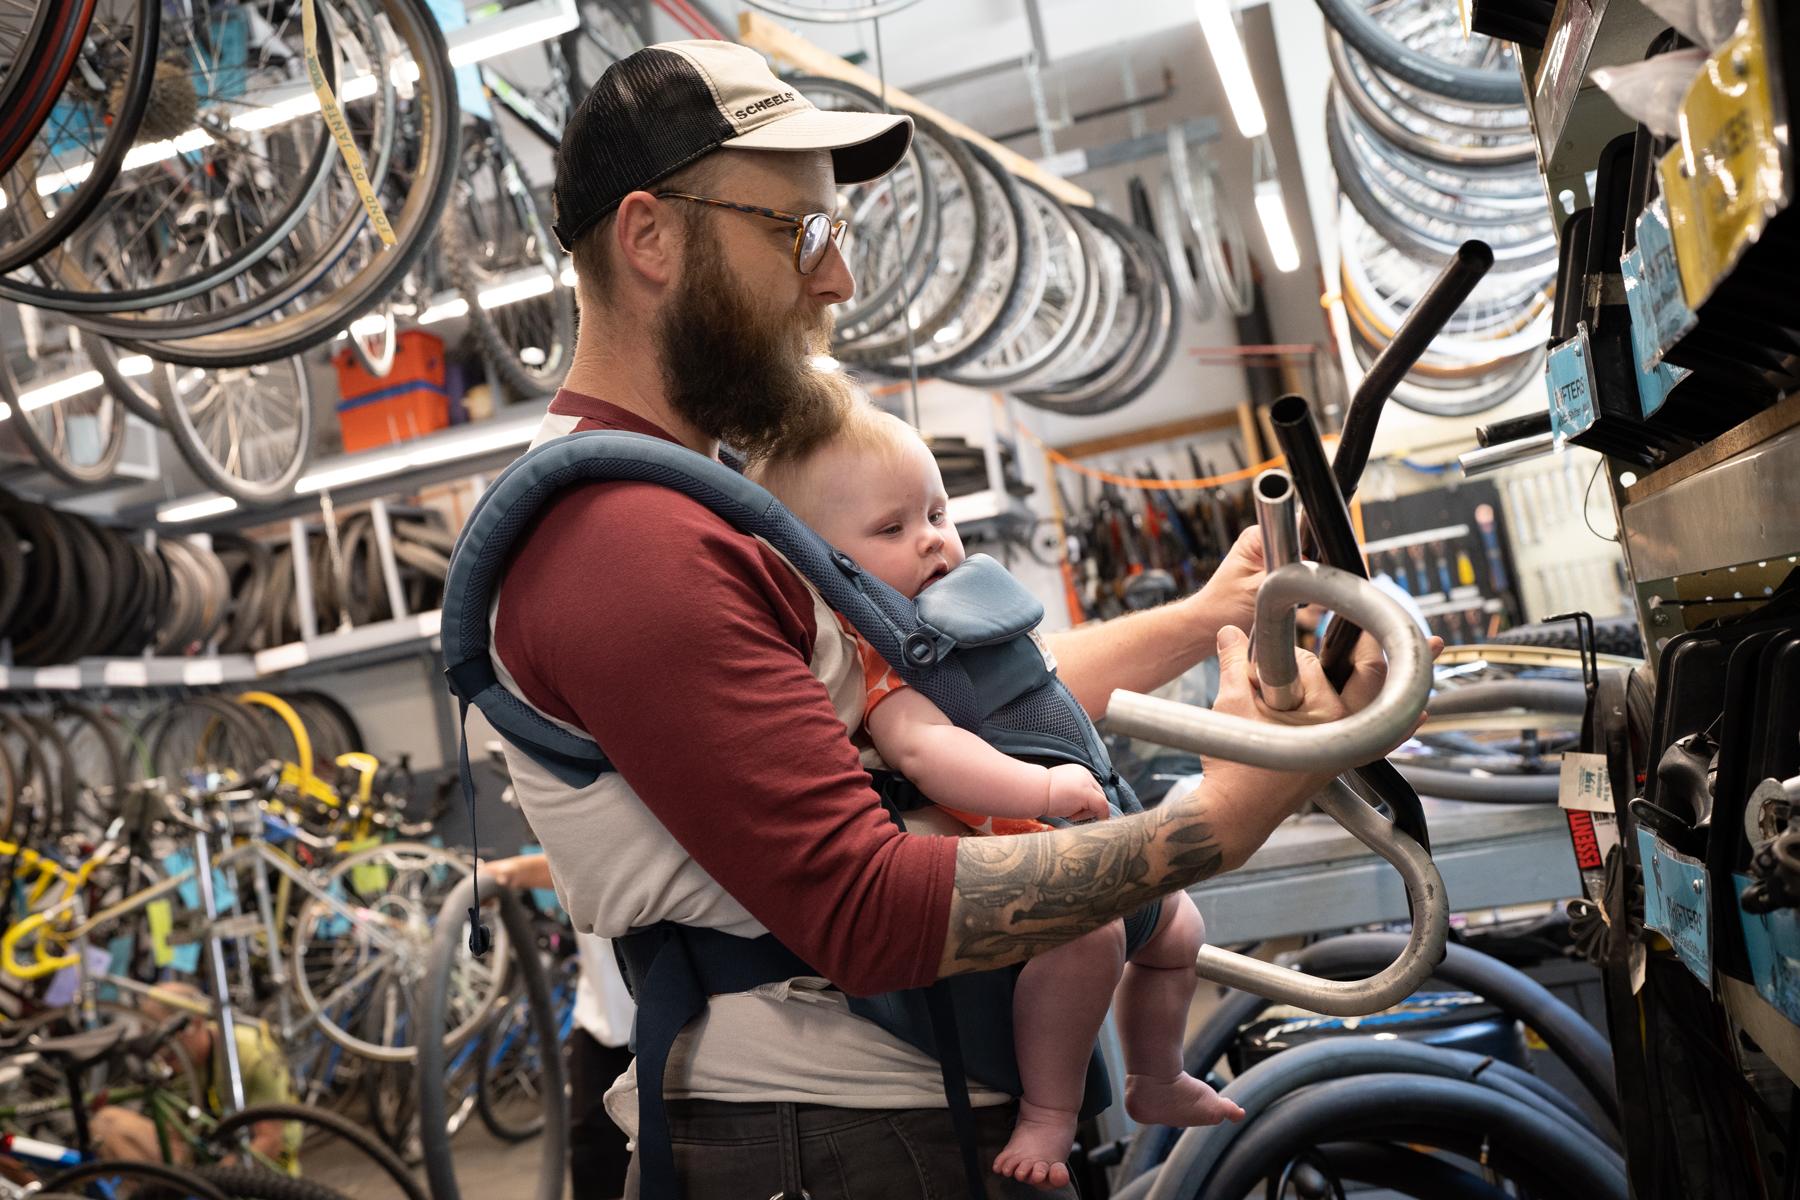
[(649, 115), (1043, 710)]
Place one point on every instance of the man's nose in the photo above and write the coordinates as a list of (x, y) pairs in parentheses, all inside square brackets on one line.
[(831, 281)]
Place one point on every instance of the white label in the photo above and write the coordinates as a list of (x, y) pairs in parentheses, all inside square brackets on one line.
[(1584, 783)]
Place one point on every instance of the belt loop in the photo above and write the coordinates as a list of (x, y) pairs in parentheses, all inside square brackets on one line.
[(788, 1142)]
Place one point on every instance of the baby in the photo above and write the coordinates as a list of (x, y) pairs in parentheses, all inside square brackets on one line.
[(873, 491)]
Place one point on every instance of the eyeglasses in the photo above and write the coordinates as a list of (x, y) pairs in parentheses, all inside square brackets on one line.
[(813, 232)]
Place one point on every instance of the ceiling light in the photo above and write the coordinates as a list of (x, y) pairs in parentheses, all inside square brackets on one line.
[(449, 310), (1271, 209), (568, 273), (825, 363), (354, 471), (450, 450), (133, 365), (513, 31), (193, 510), (62, 389), (1227, 48), (511, 292), (370, 325)]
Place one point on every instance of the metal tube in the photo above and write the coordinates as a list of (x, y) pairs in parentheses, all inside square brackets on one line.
[(1423, 322), (215, 953), (1327, 518), (1393, 983), (1505, 454), (1357, 738), (1277, 673)]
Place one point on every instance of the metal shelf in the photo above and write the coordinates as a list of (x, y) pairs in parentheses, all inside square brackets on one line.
[(97, 673)]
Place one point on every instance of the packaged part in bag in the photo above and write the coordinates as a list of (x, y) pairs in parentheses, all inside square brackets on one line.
[(1650, 92), (1708, 23)]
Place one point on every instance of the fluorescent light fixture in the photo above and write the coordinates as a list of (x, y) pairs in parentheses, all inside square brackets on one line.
[(354, 471), (449, 310), (568, 272), (1271, 209), (530, 32), (61, 389), (142, 155), (393, 462), (133, 365), (193, 510), (512, 292), (825, 363), (1233, 66)]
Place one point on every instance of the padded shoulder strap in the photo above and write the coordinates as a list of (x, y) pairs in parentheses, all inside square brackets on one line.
[(881, 614)]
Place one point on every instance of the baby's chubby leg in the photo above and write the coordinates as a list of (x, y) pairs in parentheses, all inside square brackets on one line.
[(1153, 1002), (1058, 1006)]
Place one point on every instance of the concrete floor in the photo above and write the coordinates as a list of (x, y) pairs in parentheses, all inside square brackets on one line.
[(486, 1168)]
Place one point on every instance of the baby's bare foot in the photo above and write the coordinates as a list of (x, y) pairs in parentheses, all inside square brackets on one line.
[(1177, 1102), (1038, 1151)]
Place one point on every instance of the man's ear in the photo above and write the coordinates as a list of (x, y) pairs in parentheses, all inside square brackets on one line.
[(647, 237)]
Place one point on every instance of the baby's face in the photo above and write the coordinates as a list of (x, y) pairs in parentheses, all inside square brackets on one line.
[(888, 512)]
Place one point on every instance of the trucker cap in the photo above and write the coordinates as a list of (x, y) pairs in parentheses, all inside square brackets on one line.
[(659, 109)]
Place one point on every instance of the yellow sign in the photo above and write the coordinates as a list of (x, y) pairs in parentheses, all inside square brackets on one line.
[(1725, 180)]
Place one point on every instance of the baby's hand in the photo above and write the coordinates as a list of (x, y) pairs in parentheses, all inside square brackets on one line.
[(1076, 794)]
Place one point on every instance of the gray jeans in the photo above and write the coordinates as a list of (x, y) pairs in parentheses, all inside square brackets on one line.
[(733, 1151)]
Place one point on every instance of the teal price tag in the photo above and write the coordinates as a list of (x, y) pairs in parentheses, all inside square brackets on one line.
[(1571, 387)]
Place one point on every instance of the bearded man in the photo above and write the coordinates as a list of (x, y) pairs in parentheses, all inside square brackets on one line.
[(698, 195)]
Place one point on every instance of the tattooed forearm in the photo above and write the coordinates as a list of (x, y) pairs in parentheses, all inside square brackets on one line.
[(1017, 895)]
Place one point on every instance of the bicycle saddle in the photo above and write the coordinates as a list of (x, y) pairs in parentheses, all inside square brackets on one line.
[(76, 1051)]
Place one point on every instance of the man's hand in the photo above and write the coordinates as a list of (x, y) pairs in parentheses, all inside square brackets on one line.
[(1229, 597), (1285, 791), (520, 871), (1075, 794)]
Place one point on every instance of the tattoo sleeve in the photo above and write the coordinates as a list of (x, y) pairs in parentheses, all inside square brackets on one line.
[(1015, 896)]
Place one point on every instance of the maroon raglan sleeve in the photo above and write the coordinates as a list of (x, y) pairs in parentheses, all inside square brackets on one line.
[(681, 646)]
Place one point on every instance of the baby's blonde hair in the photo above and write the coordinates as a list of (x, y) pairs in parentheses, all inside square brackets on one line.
[(861, 428)]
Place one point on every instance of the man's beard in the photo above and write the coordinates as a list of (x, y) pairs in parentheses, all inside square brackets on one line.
[(739, 372)]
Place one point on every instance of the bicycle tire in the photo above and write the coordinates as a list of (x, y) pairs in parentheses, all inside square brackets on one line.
[(12, 572), (154, 1178), (1450, 80), (1612, 635), (37, 628), (27, 38), (1021, 289), (53, 447), (1463, 158), (339, 1126), (247, 1182), (499, 1123), (523, 380), (134, 100), (432, 160), (896, 332), (47, 69), (192, 443), (116, 773)]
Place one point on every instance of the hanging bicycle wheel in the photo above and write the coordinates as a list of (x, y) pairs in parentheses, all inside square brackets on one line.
[(1421, 41), (1218, 235), (1066, 307), (246, 431), (502, 258), (73, 425), (91, 126), (42, 41)]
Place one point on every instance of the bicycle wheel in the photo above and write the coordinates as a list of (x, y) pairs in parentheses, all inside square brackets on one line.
[(1470, 138), (1070, 298), (44, 57), (501, 241), (510, 1071), (108, 1180), (376, 1173), (245, 430), (1420, 50), (607, 31), (100, 772), (92, 125), (1186, 261), (76, 432), (371, 927)]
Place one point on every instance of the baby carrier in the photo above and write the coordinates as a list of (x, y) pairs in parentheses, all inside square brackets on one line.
[(965, 643)]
